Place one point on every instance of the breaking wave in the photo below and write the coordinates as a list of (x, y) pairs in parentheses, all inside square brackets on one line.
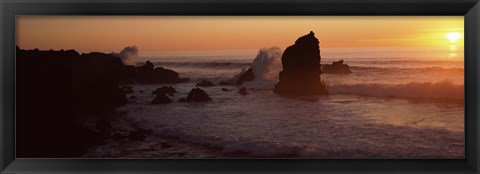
[(444, 90)]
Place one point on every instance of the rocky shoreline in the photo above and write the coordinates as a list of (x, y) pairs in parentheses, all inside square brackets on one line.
[(59, 88)]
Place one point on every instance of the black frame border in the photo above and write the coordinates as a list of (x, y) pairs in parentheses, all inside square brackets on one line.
[(9, 9)]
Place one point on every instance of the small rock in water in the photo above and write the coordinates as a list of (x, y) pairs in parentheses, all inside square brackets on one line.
[(223, 83), (243, 91), (224, 89), (182, 100), (198, 95), (165, 90), (205, 83), (337, 68), (247, 76), (161, 99), (132, 97)]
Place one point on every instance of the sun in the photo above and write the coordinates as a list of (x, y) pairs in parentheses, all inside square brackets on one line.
[(453, 36)]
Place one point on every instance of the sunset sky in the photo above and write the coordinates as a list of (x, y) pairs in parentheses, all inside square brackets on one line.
[(156, 33)]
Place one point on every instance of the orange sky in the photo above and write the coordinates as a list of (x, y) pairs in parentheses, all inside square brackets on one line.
[(156, 33)]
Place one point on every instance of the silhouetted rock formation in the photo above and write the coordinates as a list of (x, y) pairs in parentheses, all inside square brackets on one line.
[(243, 91), (223, 82), (54, 88), (247, 76), (147, 73), (205, 83), (337, 68), (301, 68), (197, 95), (161, 99), (165, 90)]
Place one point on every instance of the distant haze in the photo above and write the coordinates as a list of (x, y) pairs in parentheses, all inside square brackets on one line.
[(158, 33)]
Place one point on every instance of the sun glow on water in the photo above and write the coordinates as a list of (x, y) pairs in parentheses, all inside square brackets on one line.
[(453, 36)]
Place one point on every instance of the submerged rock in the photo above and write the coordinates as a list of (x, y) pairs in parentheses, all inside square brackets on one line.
[(247, 76), (243, 91), (205, 83), (161, 99), (197, 95), (224, 89), (301, 68), (337, 68), (165, 90)]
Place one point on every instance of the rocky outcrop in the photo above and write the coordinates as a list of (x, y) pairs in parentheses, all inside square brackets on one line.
[(247, 76), (165, 90), (67, 85), (336, 68), (196, 95), (148, 73), (205, 83), (301, 68), (161, 99)]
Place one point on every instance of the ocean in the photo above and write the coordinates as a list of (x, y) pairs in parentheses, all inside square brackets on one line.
[(397, 103)]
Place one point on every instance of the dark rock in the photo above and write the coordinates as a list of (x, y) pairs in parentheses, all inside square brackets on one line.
[(243, 91), (247, 76), (182, 100), (74, 85), (197, 95), (119, 98), (132, 97), (165, 90), (149, 74), (103, 125), (161, 99), (141, 91), (337, 68), (224, 89), (224, 83), (301, 68), (205, 83)]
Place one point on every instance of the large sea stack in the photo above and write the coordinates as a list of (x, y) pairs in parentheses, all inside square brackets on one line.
[(301, 68)]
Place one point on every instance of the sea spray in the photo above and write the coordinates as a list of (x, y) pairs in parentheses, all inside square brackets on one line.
[(266, 66), (129, 55)]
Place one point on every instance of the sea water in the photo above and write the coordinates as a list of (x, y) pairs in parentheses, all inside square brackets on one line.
[(397, 103)]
